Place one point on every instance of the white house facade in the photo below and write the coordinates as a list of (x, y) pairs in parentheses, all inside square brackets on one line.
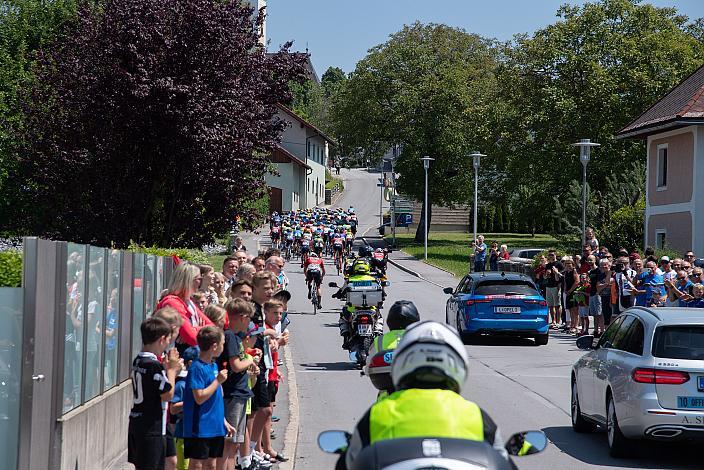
[(300, 160)]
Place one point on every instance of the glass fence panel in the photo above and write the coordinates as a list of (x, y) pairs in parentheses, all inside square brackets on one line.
[(112, 318), (73, 356), (95, 321), (149, 273), (159, 286), (137, 302), (11, 315)]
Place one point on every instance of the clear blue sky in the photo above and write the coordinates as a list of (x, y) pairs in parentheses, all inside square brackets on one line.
[(339, 32)]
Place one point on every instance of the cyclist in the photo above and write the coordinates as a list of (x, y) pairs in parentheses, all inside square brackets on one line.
[(314, 270), (274, 234), (318, 244), (338, 245)]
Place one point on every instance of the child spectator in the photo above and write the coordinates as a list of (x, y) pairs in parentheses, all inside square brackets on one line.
[(153, 386), (173, 318), (206, 284), (581, 295), (217, 315), (219, 288), (200, 299), (241, 289), (236, 390), (176, 408), (249, 341), (204, 425)]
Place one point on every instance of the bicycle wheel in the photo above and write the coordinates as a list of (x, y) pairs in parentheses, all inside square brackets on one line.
[(314, 299)]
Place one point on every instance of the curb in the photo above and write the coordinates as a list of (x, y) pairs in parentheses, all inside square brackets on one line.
[(409, 270), (291, 434)]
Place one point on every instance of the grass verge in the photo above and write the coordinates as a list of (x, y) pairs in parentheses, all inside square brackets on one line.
[(450, 250)]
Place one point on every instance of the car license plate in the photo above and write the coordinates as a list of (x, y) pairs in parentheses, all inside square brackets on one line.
[(700, 385), (364, 329), (690, 402), (507, 309)]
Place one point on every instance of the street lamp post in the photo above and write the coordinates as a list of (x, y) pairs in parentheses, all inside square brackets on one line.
[(476, 161), (585, 149), (426, 164)]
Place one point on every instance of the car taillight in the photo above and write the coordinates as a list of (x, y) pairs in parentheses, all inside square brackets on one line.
[(477, 301), (378, 361), (542, 303), (365, 319), (658, 376)]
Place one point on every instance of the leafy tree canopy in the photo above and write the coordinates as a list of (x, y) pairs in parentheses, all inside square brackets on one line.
[(151, 122)]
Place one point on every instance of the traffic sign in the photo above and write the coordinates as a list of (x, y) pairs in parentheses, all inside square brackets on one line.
[(404, 220)]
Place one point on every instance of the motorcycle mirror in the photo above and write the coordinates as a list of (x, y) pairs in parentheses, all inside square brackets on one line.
[(334, 442), (353, 356), (332, 284), (386, 283), (585, 342), (447, 290), (527, 443)]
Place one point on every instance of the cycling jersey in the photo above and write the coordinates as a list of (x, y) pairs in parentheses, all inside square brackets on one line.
[(314, 264)]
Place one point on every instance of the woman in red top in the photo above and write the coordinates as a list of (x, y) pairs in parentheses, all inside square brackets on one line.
[(185, 281)]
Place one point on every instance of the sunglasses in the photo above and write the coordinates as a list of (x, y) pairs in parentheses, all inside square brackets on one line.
[(696, 274), (681, 278)]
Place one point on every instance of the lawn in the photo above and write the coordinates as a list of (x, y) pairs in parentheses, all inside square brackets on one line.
[(450, 250)]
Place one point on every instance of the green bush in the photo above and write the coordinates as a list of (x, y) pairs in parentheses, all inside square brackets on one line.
[(10, 269), (194, 256), (624, 228)]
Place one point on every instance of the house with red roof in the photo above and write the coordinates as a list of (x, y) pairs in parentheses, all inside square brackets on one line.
[(673, 129), (300, 160)]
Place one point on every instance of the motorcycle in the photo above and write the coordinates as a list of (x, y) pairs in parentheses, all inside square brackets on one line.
[(363, 324), (436, 453)]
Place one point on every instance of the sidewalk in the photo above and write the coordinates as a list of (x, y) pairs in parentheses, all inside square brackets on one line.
[(413, 266)]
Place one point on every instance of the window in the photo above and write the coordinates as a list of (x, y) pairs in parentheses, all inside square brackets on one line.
[(608, 336), (308, 149), (458, 289), (679, 342), (621, 337), (660, 239), (499, 287), (635, 338), (662, 167)]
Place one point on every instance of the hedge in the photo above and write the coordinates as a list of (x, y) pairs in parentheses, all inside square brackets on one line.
[(10, 269), (194, 256)]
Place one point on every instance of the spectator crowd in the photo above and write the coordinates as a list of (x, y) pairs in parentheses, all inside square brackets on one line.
[(598, 284), (206, 380)]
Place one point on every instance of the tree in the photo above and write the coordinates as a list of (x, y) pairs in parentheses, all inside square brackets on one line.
[(428, 88), (587, 75), (151, 122), (25, 27)]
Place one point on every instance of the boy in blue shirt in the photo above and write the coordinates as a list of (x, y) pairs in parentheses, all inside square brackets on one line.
[(176, 408), (204, 425)]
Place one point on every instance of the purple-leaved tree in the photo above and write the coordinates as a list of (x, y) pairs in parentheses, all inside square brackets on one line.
[(152, 122)]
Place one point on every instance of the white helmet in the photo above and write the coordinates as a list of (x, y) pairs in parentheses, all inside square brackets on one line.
[(430, 355)]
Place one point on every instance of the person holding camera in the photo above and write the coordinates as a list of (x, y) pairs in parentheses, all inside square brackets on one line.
[(624, 285), (479, 254)]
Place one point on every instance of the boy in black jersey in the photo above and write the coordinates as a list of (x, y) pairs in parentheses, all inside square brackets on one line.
[(153, 386)]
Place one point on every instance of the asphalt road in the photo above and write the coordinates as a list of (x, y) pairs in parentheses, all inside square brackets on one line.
[(521, 386)]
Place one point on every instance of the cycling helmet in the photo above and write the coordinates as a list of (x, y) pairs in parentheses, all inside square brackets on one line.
[(402, 314), (361, 268), (430, 355), (313, 255), (379, 250)]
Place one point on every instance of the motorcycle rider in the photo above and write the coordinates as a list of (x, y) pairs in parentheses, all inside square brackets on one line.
[(430, 366), (378, 260), (359, 275), (402, 314)]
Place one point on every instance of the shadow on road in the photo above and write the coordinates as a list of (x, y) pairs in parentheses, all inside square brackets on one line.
[(594, 450), (487, 340), (329, 366)]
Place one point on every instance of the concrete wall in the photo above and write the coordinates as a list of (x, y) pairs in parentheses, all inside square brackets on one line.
[(94, 436), (317, 159)]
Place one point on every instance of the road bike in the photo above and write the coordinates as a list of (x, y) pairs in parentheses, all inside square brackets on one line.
[(313, 290)]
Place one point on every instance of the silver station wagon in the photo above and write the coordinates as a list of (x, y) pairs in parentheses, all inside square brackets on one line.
[(643, 378)]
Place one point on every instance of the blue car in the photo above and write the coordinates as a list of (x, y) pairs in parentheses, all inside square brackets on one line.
[(498, 304)]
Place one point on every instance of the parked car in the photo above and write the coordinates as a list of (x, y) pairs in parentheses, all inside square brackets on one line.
[(643, 378), (497, 304), (524, 255)]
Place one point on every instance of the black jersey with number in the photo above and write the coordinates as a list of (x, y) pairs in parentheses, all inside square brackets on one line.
[(148, 415)]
